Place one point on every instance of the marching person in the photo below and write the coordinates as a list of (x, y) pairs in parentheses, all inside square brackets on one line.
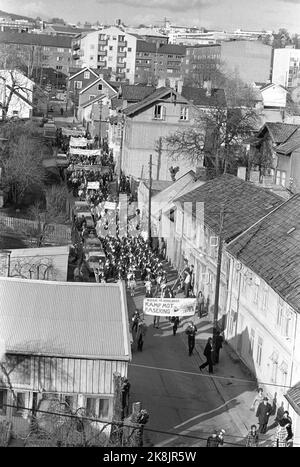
[(258, 399), (141, 332), (219, 344), (191, 331), (252, 437), (175, 320), (263, 413), (281, 435), (135, 320), (208, 354)]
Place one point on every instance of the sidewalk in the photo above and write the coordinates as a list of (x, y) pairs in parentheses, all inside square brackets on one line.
[(231, 379)]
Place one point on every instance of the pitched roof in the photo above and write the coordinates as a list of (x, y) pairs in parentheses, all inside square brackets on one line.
[(67, 319), (35, 39), (158, 185), (135, 93), (293, 397), (269, 85), (291, 144), (271, 250), (20, 96), (172, 49), (68, 29), (143, 46), (198, 96), (158, 94), (279, 132), (244, 203), (74, 73)]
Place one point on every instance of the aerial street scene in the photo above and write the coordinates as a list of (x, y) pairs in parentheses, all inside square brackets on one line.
[(149, 226)]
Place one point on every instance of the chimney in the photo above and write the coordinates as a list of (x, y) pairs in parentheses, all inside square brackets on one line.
[(200, 173), (241, 173), (161, 82), (179, 85)]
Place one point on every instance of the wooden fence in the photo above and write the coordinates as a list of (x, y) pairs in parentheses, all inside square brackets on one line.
[(56, 233)]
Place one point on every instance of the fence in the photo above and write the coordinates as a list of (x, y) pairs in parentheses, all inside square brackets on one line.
[(54, 233)]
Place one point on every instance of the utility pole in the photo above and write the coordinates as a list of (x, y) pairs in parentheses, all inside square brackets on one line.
[(218, 276), (149, 205), (100, 122)]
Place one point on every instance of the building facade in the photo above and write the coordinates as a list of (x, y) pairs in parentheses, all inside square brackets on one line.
[(286, 67), (250, 59)]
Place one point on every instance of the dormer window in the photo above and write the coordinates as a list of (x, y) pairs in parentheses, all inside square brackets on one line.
[(159, 112)]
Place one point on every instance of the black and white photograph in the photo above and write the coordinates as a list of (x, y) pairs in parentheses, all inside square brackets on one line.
[(149, 227)]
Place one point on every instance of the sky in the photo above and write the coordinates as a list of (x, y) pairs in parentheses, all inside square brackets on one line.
[(220, 14)]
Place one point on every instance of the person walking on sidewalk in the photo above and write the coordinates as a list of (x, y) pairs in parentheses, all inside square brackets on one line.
[(263, 413), (175, 320), (258, 399), (208, 354), (252, 437), (191, 331), (219, 345), (141, 332)]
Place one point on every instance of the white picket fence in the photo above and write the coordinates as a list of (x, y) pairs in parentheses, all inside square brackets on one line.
[(58, 233)]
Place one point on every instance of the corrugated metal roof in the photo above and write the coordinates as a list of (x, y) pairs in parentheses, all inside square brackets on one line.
[(244, 203), (67, 319), (271, 249)]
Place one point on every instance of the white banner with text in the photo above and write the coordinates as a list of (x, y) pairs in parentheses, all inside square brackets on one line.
[(169, 306)]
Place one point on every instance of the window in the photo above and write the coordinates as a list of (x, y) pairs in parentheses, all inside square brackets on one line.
[(58, 67), (58, 59), (251, 341), (91, 57), (127, 70), (265, 298), (110, 47), (256, 290), (114, 38), (46, 49), (280, 177), (284, 372), (279, 313), (92, 96), (274, 358), (86, 75), (15, 112), (184, 113), (78, 84), (121, 38), (259, 350), (97, 407), (19, 403), (100, 86), (129, 49), (159, 112), (60, 50), (231, 322), (3, 401)]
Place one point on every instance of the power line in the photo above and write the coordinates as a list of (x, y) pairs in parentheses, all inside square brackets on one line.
[(242, 380)]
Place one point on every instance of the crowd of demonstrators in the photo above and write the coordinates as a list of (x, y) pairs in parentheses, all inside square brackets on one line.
[(124, 185), (216, 439)]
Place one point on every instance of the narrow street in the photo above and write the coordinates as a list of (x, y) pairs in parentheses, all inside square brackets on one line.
[(184, 403)]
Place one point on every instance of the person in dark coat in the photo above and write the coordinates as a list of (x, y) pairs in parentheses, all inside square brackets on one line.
[(208, 354), (219, 344), (191, 331), (263, 413), (175, 320)]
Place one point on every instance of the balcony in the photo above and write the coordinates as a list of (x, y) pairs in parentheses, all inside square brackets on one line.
[(102, 63), (102, 42), (76, 56), (122, 54), (76, 46), (120, 75), (102, 53), (121, 65), (122, 44)]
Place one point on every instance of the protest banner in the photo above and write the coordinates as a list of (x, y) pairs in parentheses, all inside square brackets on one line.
[(78, 142), (169, 306), (93, 185), (84, 152), (110, 205)]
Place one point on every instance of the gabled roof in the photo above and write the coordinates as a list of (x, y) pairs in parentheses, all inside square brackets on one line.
[(158, 94), (198, 96), (25, 38), (271, 249), (136, 93), (244, 202), (172, 49), (158, 185), (269, 85), (291, 144), (98, 80), (83, 70), (93, 101), (64, 319), (68, 29), (279, 132)]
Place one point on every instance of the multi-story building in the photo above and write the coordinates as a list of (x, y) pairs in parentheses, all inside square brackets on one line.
[(10, 22), (250, 59), (109, 48), (286, 67), (64, 30), (263, 305), (154, 63), (192, 38), (40, 50), (201, 63)]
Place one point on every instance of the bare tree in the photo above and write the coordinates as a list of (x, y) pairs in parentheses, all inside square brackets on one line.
[(218, 131), (13, 84)]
